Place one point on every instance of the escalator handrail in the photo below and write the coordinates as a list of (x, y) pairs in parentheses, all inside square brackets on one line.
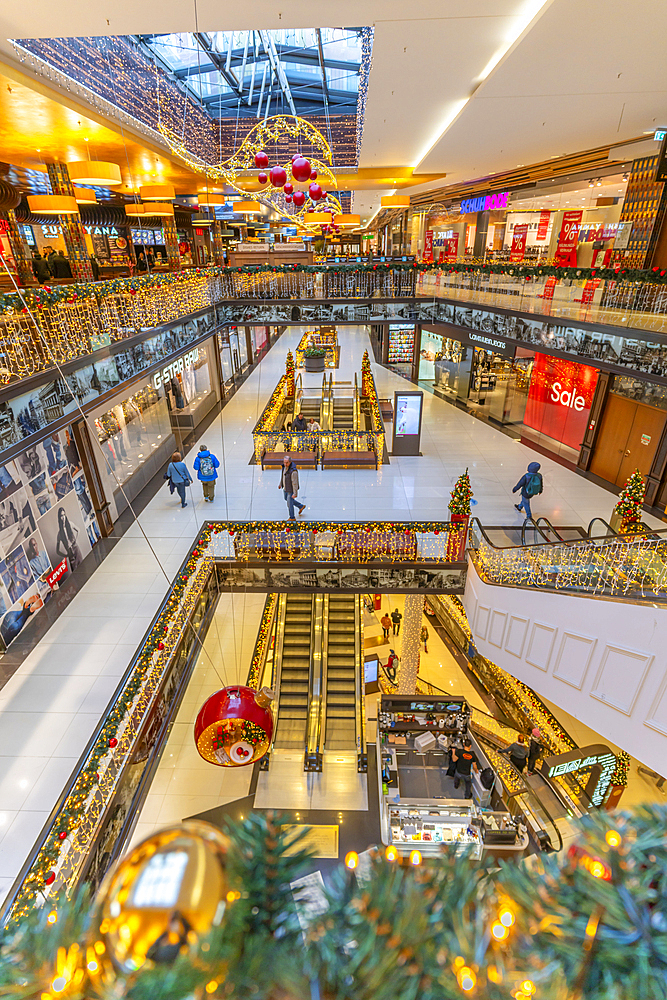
[(359, 706), (317, 699), (531, 522), (530, 792), (278, 659), (550, 527), (611, 533)]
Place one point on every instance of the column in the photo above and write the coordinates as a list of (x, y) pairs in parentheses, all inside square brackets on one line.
[(171, 244), (218, 249), (19, 249), (73, 231), (413, 613)]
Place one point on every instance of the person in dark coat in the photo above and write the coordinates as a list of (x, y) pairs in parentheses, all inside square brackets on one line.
[(95, 268), (40, 268), (60, 265), (289, 484), (530, 485), (517, 752), (535, 750), (141, 263)]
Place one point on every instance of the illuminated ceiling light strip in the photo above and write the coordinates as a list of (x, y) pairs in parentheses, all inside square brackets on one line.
[(525, 20)]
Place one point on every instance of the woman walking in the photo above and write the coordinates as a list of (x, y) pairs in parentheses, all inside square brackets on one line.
[(179, 475)]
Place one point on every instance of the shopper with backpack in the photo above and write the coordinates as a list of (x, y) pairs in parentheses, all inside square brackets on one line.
[(206, 466), (530, 485)]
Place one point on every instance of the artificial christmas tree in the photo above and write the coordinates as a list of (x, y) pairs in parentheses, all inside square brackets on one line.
[(628, 509), (289, 373), (459, 507)]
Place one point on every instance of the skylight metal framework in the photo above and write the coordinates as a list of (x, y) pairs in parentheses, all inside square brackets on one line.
[(257, 73)]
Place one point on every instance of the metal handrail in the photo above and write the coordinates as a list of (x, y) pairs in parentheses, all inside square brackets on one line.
[(476, 523), (531, 522), (550, 527), (611, 533), (278, 659), (360, 715), (316, 704)]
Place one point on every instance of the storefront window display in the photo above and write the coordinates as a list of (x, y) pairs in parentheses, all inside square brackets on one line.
[(430, 351), (401, 348), (129, 433), (559, 403), (47, 527), (194, 383), (260, 336)]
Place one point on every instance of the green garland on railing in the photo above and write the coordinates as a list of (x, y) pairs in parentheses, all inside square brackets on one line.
[(47, 295)]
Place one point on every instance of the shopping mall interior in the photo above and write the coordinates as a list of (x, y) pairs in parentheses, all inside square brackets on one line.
[(333, 501)]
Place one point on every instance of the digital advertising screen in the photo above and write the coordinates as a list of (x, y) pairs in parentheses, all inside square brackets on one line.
[(408, 415)]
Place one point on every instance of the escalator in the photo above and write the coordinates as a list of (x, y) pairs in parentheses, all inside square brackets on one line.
[(343, 413), (294, 644), (310, 407), (342, 616)]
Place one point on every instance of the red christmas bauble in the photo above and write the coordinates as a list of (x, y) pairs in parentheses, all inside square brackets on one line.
[(261, 161), (262, 177), (288, 189), (160, 645), (62, 834), (288, 198), (315, 192), (234, 726), (324, 195), (50, 878), (301, 169), (299, 198), (313, 175), (113, 742), (278, 176), (294, 157)]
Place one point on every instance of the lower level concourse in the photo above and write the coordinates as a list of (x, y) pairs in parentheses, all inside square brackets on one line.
[(52, 704)]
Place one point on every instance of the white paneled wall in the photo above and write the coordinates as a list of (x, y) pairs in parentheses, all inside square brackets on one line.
[(604, 662)]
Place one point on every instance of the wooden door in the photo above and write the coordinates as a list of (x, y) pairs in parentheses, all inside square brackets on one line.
[(642, 442), (612, 440)]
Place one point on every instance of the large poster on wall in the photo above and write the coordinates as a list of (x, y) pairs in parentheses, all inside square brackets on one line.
[(560, 398), (47, 527), (566, 251)]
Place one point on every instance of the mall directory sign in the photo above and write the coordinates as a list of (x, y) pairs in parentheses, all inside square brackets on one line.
[(407, 423)]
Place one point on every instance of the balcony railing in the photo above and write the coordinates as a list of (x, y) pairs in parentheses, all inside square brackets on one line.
[(46, 326)]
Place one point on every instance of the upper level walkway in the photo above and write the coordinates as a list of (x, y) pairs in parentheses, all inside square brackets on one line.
[(618, 322)]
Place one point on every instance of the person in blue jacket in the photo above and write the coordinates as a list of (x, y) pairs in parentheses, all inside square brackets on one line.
[(530, 485), (206, 466)]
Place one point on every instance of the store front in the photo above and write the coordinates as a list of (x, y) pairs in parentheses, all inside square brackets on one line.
[(401, 348), (559, 403)]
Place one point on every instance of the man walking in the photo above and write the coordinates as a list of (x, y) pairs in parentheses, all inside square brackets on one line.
[(289, 484), (535, 750), (465, 761), (206, 466), (530, 485), (396, 619), (300, 422)]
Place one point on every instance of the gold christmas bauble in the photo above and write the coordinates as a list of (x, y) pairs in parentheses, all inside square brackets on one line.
[(161, 896)]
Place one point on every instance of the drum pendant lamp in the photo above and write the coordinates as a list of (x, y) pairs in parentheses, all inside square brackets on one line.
[(96, 172)]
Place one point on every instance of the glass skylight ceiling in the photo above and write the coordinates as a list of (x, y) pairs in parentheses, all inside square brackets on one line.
[(303, 71)]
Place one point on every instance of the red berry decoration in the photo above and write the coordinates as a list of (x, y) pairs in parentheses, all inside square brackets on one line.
[(288, 189), (262, 177), (113, 742), (278, 176), (301, 169), (313, 175), (50, 878), (261, 161), (315, 192), (299, 198)]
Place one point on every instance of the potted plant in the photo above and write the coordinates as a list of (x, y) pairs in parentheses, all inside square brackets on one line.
[(314, 359)]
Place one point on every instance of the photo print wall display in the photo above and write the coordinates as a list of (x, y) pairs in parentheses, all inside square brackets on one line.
[(46, 519)]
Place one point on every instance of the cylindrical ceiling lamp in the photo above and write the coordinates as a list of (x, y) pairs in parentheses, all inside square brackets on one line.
[(211, 199), (157, 192), (161, 208), (347, 220), (52, 204), (202, 220), (135, 209), (317, 218), (84, 196), (246, 207), (96, 172), (395, 201)]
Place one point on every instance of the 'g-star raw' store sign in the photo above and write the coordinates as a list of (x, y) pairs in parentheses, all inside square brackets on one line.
[(176, 367), (485, 203)]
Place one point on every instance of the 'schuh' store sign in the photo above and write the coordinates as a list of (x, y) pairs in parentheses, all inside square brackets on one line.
[(485, 203)]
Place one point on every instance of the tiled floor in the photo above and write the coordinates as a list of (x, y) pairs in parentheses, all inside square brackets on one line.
[(51, 705)]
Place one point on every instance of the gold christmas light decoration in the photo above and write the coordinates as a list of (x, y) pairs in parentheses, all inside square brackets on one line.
[(264, 136)]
